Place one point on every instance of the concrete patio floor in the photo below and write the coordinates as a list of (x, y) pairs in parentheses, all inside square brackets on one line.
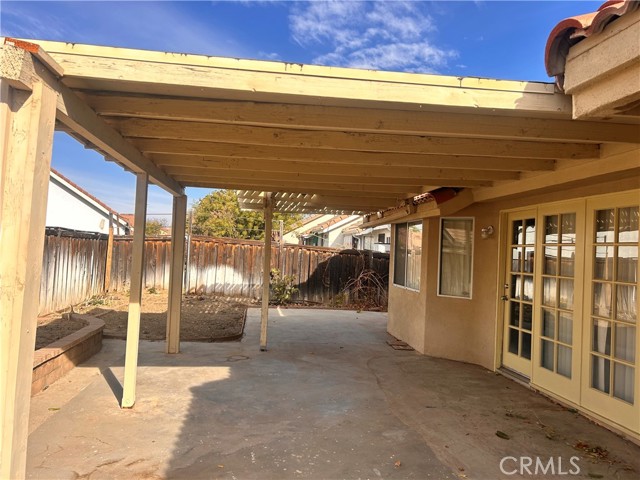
[(330, 399)]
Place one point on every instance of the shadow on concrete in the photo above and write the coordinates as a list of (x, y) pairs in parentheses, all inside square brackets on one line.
[(114, 384)]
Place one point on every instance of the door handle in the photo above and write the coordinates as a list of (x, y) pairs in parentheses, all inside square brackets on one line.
[(504, 298)]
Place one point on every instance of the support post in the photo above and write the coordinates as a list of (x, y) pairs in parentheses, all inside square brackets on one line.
[(266, 270), (135, 299), (107, 267), (281, 247), (187, 276), (27, 120), (176, 272)]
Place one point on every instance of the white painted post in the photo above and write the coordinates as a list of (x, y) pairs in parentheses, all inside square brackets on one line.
[(266, 269), (135, 298), (27, 122), (176, 272)]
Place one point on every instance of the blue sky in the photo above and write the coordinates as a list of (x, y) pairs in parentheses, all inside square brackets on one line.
[(498, 39)]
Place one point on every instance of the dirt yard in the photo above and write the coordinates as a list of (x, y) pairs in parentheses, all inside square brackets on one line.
[(204, 318)]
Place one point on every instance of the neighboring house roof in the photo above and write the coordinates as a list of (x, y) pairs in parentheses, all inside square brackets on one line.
[(326, 226), (87, 196), (573, 29), (358, 230), (129, 218), (304, 221), (352, 230)]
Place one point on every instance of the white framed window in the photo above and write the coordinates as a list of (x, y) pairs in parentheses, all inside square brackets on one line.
[(408, 255), (455, 262)]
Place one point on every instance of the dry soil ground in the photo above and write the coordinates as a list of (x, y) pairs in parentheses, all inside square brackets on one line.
[(204, 318)]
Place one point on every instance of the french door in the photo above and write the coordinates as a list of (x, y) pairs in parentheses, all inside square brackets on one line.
[(558, 308), (610, 347), (519, 292), (571, 302)]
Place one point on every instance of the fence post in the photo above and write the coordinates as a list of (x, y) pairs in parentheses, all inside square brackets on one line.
[(281, 248), (107, 268), (266, 269), (187, 276)]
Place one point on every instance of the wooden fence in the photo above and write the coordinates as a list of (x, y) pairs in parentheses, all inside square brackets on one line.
[(232, 267), (74, 267)]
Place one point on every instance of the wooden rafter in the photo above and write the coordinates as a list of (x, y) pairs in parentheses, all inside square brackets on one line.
[(362, 142), (186, 173), (314, 117), (289, 185), (187, 163), (176, 153)]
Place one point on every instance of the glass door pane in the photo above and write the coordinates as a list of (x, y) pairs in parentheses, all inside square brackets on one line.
[(614, 302), (519, 294), (557, 276)]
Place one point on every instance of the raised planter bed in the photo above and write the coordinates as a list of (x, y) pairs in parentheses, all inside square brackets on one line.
[(56, 359)]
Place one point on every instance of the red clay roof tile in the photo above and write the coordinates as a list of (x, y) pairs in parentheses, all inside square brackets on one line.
[(573, 29)]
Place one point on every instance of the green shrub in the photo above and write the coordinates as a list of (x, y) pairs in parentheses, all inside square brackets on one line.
[(282, 289)]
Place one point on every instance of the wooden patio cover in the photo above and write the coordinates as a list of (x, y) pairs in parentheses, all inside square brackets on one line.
[(289, 136), (325, 138)]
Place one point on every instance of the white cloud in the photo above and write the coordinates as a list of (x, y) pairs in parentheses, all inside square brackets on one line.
[(145, 25), (269, 56), (377, 35)]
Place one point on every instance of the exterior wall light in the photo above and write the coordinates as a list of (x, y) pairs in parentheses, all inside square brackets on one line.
[(487, 232)]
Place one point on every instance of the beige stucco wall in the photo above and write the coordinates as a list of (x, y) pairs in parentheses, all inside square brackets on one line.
[(407, 307), (461, 329), (458, 328)]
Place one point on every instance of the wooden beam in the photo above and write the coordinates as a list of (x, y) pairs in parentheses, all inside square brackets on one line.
[(328, 201), (186, 174), (322, 117), (347, 192), (362, 142), (266, 270), (318, 208), (251, 196), (135, 298), (138, 71), (192, 164), (176, 273), (618, 165), (345, 189), (27, 124), (164, 149)]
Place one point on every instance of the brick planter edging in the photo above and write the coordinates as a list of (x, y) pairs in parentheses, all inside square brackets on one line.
[(56, 359)]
